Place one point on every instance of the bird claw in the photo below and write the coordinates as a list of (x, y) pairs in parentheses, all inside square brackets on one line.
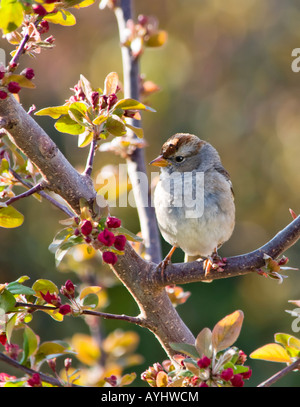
[(214, 262), (167, 260)]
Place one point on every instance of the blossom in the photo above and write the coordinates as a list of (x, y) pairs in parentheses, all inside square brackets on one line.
[(68, 289), (51, 298), (13, 87)]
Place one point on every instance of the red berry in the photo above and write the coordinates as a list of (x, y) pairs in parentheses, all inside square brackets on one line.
[(3, 95), (13, 87), (120, 242), (86, 227), (109, 258), (39, 10), (113, 222), (106, 237)]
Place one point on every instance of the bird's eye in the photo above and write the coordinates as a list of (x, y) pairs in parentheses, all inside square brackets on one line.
[(179, 158)]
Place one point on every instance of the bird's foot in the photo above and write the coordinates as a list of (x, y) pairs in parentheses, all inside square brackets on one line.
[(167, 260), (214, 262)]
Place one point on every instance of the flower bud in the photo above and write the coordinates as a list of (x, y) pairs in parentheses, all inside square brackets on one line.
[(227, 374), (120, 242), (106, 237), (3, 95), (86, 227), (35, 381), (94, 99), (113, 222), (109, 258), (65, 309), (28, 73), (13, 87), (237, 380), (2, 71), (39, 10), (204, 362), (112, 100), (43, 27), (68, 290)]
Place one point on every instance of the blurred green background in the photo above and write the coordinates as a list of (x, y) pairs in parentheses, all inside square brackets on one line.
[(225, 75)]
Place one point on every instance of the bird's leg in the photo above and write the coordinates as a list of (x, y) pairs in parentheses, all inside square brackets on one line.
[(163, 264), (214, 261)]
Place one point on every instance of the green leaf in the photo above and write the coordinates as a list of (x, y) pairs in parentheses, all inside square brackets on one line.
[(100, 119), (20, 79), (7, 301), (132, 104), (67, 125), (11, 15), (62, 17), (49, 350), (55, 112), (129, 235), (226, 331), (84, 139), (43, 285), (186, 349), (115, 126), (203, 342), (137, 130), (111, 83), (10, 217), (17, 288), (11, 323), (90, 300), (30, 343), (59, 238)]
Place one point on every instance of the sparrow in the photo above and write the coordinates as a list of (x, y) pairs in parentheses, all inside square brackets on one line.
[(194, 200)]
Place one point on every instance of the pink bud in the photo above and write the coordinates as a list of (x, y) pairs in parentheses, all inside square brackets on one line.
[(39, 10), (13, 87), (227, 374), (109, 258), (35, 381), (237, 380), (2, 71), (120, 242), (65, 309), (28, 73), (3, 95), (43, 27), (86, 227), (204, 362), (113, 222), (106, 237)]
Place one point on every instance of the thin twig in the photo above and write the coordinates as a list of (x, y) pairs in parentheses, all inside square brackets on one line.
[(31, 191), (15, 60), (279, 375), (29, 371), (89, 164), (105, 315), (43, 194), (134, 320)]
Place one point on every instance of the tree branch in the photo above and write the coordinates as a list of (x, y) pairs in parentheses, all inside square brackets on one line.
[(235, 266), (59, 174), (136, 162), (27, 370), (279, 375)]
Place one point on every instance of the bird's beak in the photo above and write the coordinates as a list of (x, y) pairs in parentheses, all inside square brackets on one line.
[(160, 161)]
